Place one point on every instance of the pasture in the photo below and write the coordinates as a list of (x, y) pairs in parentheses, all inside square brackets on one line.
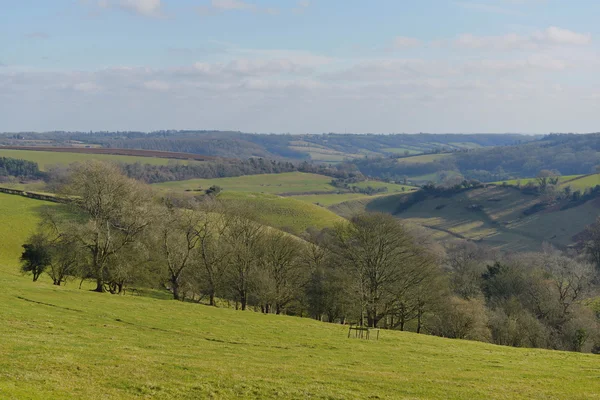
[(66, 343), (46, 159), (494, 216), (285, 213), (288, 182), (19, 216), (423, 159), (310, 188)]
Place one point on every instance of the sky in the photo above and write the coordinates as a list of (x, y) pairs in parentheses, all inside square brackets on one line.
[(300, 66)]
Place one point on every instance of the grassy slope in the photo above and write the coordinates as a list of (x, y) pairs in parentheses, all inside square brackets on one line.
[(282, 212), (289, 182), (48, 158), (75, 344), (425, 158), (19, 217), (501, 223), (285, 183)]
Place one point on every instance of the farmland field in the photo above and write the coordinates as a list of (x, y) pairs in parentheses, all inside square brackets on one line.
[(499, 220), (65, 343), (46, 159), (285, 213), (425, 158), (19, 217), (327, 200), (289, 183)]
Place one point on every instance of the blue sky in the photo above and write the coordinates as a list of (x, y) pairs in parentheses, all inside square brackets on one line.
[(300, 66)]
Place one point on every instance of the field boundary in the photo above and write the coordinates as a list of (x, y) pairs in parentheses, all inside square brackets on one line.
[(33, 195)]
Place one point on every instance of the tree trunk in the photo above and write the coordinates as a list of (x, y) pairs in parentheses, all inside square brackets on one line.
[(243, 300), (175, 289), (99, 286), (211, 299)]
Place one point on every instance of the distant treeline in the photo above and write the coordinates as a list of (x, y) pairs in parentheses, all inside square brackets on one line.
[(222, 169), (279, 146), (568, 154)]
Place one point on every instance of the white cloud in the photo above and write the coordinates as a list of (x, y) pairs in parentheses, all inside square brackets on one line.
[(401, 42), (156, 85), (552, 36), (229, 5), (146, 8), (302, 6), (559, 36), (87, 87), (221, 6)]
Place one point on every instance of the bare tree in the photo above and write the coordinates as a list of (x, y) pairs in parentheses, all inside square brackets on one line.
[(213, 255), (113, 212), (176, 240), (381, 257), (244, 238), (282, 268)]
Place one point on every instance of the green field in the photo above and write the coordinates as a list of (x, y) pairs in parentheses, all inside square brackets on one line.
[(46, 159), (401, 150), (65, 343), (524, 181), (583, 182), (327, 200), (19, 216), (425, 158), (500, 221), (289, 182), (285, 213)]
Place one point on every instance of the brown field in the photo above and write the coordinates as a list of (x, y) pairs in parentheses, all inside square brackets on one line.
[(119, 152)]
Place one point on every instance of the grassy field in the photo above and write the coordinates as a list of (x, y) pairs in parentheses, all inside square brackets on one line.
[(19, 217), (46, 159), (327, 200), (289, 183), (500, 222), (285, 213), (583, 182), (425, 158), (66, 343), (524, 181), (401, 150)]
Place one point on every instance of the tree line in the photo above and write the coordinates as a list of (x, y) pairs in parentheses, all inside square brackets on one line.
[(19, 168), (373, 269)]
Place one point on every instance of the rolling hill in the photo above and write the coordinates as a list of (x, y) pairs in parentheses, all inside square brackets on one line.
[(499, 217), (311, 188), (288, 214), (63, 343)]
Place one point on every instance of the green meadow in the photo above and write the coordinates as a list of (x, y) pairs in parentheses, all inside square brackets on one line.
[(422, 159), (285, 213), (19, 216), (46, 159), (67, 343), (288, 182)]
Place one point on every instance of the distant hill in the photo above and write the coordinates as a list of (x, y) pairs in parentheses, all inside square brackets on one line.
[(329, 148), (497, 216)]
